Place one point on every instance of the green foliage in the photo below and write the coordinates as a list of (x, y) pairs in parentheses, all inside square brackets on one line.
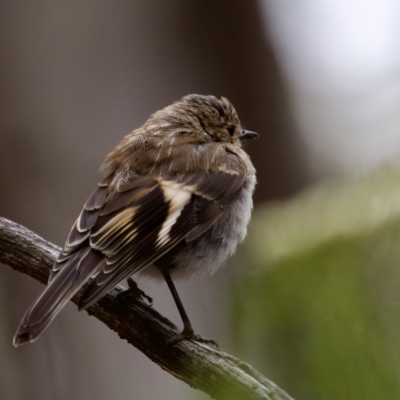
[(319, 313)]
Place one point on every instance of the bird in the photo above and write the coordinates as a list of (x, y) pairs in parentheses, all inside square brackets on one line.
[(175, 202)]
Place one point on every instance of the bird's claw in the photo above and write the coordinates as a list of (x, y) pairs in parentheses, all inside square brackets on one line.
[(138, 293), (190, 334), (134, 291)]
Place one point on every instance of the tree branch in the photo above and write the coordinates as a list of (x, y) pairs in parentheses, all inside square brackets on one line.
[(220, 375)]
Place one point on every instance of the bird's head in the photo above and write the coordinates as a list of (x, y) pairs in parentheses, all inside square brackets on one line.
[(194, 120), (207, 117)]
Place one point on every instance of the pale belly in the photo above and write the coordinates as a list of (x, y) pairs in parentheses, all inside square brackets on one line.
[(212, 249)]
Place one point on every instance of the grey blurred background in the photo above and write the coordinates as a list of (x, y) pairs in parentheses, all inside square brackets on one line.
[(319, 80)]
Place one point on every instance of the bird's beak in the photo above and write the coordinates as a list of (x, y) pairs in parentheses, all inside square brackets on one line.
[(248, 135)]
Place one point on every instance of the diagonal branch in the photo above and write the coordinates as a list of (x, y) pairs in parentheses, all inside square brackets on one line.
[(220, 375)]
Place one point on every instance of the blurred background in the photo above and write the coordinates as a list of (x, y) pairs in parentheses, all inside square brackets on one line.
[(312, 298)]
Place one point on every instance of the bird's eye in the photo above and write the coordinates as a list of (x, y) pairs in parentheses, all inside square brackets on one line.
[(231, 129)]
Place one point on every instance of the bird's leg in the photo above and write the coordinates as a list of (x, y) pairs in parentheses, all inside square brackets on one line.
[(134, 291), (188, 332)]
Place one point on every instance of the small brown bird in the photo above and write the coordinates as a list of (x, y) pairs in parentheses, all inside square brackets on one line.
[(176, 201)]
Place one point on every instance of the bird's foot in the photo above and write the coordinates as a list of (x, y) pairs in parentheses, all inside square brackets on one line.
[(134, 291), (189, 334), (138, 293)]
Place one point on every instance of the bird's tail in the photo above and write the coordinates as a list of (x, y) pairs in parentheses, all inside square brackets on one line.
[(67, 281)]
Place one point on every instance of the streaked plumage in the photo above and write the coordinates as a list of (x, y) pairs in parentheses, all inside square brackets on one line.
[(177, 198)]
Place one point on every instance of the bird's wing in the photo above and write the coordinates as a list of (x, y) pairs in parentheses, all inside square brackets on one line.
[(147, 217), (121, 233)]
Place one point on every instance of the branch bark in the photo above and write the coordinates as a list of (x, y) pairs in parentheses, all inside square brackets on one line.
[(219, 374)]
